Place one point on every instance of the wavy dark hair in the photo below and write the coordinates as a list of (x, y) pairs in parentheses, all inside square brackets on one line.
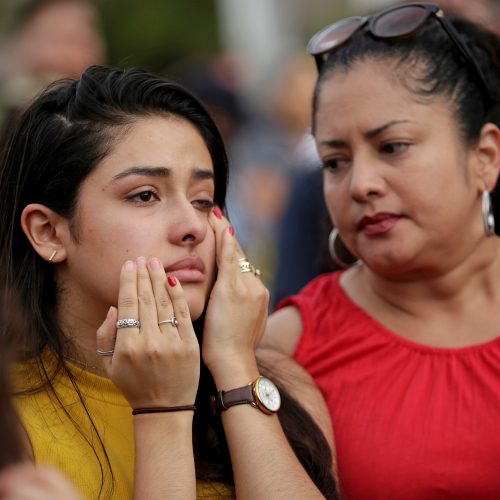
[(57, 142), (429, 64)]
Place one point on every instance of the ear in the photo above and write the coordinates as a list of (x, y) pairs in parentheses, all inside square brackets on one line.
[(487, 155), (45, 230)]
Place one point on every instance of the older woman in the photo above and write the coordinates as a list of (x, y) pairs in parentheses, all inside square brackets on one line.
[(405, 344)]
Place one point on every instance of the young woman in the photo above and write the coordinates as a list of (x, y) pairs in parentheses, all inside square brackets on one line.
[(112, 189), (405, 345)]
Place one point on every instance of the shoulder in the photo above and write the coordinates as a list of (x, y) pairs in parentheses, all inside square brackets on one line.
[(298, 313)]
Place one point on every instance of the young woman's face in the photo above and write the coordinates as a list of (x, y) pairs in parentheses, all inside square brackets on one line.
[(150, 197), (397, 180)]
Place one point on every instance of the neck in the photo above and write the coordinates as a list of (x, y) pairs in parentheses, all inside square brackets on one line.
[(79, 322), (451, 289)]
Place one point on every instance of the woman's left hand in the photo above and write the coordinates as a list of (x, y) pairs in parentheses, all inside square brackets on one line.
[(236, 313)]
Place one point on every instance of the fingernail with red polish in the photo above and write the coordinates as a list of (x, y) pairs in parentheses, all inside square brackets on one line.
[(231, 230), (218, 212), (172, 281)]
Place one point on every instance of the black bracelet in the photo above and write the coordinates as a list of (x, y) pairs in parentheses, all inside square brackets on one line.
[(163, 409)]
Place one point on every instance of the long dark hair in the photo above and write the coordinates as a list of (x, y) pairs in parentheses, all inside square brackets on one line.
[(56, 144)]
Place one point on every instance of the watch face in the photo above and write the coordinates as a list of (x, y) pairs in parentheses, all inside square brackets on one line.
[(268, 394)]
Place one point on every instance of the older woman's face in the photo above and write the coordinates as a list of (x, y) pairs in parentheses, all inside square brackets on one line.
[(398, 183), (151, 196)]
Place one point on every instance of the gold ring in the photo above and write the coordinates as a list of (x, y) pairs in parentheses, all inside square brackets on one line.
[(245, 266)]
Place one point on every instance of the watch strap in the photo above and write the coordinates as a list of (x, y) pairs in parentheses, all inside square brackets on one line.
[(239, 396)]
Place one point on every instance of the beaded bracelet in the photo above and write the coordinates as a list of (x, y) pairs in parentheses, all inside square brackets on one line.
[(163, 409)]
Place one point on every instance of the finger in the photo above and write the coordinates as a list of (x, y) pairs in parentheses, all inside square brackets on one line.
[(127, 302), (219, 224), (164, 307), (106, 338), (148, 314), (229, 267), (181, 310)]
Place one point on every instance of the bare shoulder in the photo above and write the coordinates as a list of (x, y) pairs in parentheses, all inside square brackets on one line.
[(283, 331), (299, 384)]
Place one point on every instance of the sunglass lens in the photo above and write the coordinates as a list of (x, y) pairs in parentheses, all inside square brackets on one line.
[(399, 21), (334, 35)]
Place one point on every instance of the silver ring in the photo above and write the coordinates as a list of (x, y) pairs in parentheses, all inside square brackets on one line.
[(172, 321), (128, 323), (105, 353), (245, 266)]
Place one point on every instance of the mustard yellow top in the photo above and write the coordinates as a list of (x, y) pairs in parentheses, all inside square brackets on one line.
[(74, 448)]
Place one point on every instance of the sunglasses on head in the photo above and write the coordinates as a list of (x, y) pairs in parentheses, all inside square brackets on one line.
[(396, 22)]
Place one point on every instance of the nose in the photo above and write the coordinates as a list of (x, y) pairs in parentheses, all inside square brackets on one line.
[(367, 179), (187, 225)]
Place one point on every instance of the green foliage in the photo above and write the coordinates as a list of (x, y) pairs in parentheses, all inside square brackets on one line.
[(154, 34)]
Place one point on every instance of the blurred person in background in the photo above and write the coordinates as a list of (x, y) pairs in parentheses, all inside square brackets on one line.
[(265, 155), (50, 39)]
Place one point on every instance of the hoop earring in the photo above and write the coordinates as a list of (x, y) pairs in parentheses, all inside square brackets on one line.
[(52, 255), (488, 217), (335, 241)]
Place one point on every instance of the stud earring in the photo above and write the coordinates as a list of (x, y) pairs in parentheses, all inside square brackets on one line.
[(52, 255)]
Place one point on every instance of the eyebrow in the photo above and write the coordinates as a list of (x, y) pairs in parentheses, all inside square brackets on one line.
[(370, 134), (199, 173)]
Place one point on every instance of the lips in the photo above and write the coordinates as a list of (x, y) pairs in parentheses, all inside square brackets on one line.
[(377, 224), (187, 270)]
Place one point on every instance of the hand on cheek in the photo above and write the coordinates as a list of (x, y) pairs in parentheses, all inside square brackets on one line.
[(236, 312), (153, 360), (219, 225)]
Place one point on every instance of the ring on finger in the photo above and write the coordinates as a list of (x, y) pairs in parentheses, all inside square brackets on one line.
[(128, 323), (245, 266), (256, 272), (105, 353), (172, 321)]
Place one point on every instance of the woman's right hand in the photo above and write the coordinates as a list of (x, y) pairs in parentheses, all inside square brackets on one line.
[(153, 365)]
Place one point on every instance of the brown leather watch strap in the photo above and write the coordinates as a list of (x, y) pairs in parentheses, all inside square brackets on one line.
[(226, 399)]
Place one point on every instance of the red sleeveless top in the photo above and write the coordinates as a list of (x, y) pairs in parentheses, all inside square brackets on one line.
[(410, 421)]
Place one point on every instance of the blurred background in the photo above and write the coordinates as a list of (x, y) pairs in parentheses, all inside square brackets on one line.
[(245, 60)]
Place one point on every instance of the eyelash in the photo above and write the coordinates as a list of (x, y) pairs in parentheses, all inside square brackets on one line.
[(389, 148), (332, 164), (205, 205), (134, 198), (400, 147)]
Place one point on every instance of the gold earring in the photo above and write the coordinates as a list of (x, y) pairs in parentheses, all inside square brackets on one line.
[(52, 255)]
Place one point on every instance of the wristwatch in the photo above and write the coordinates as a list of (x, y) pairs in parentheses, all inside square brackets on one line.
[(261, 393)]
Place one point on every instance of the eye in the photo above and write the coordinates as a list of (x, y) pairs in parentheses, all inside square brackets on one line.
[(205, 205), (394, 147), (145, 196), (334, 163)]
